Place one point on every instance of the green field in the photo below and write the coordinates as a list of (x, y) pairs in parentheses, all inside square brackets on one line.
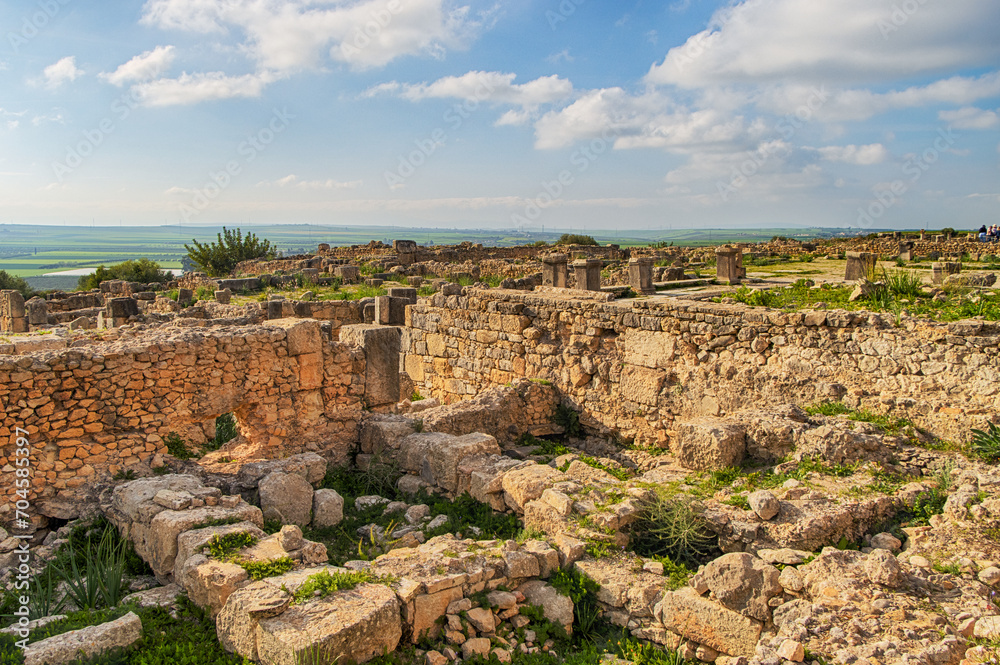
[(30, 251)]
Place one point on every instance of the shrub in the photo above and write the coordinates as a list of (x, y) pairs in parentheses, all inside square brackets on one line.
[(232, 247), (986, 444), (672, 526), (258, 570), (9, 282), (134, 270), (100, 582), (576, 239), (176, 447), (223, 547), (568, 419), (903, 283)]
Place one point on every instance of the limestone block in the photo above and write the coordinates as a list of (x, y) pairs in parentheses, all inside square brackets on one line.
[(557, 608), (428, 608), (709, 443), (302, 335), (328, 508), (743, 583), (436, 456), (91, 641), (527, 484), (192, 542), (381, 348), (689, 615), (287, 497), (208, 582)]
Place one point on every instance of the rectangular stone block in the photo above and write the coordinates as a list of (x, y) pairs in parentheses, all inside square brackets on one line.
[(686, 613), (381, 348), (860, 265)]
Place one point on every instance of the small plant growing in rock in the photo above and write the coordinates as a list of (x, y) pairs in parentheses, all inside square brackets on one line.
[(569, 420), (176, 447), (986, 443), (258, 570), (416, 396), (223, 547), (418, 425), (672, 526)]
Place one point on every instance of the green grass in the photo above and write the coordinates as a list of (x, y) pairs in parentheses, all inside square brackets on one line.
[(324, 583)]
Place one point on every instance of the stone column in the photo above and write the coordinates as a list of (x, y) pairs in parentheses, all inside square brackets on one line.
[(38, 312), (906, 251), (390, 310), (859, 265), (923, 234), (12, 314), (727, 265), (118, 310), (381, 348), (640, 275), (554, 270), (588, 274), (940, 271), (223, 296)]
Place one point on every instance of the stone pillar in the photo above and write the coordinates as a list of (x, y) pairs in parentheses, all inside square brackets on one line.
[(906, 251), (640, 275), (390, 311), (896, 235), (118, 310), (223, 296), (274, 307), (588, 274), (727, 265), (12, 313), (404, 293), (939, 238), (859, 265), (381, 348), (310, 275), (406, 251), (554, 270), (348, 274), (184, 295), (38, 311), (923, 234), (940, 271)]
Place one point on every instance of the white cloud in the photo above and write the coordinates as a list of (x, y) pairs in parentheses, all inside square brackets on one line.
[(11, 119), (650, 120), (970, 118), (63, 71), (297, 34), (561, 56), (493, 87), (863, 155), (837, 40), (55, 116), (144, 67), (292, 180), (194, 88), (860, 104)]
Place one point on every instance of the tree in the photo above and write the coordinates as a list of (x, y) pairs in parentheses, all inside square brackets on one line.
[(10, 282), (575, 239), (142, 270), (219, 258)]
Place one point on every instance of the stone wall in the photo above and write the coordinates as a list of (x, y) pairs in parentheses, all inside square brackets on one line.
[(637, 365), (96, 409)]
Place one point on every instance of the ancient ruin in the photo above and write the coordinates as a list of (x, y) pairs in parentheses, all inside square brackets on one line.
[(467, 452)]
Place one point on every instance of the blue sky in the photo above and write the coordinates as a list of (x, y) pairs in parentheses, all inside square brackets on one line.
[(562, 114)]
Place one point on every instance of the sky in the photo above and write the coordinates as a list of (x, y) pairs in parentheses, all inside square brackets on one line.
[(555, 115)]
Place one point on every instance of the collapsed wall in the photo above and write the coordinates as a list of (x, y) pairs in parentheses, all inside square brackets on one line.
[(635, 366), (95, 409)]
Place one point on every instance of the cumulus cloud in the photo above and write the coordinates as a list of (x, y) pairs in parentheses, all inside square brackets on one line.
[(63, 71), (971, 118), (142, 67), (194, 88), (494, 87), (861, 155), (298, 34), (650, 120), (758, 41)]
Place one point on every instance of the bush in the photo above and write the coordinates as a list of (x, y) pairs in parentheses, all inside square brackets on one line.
[(100, 582), (673, 527), (903, 283), (568, 419), (141, 270), (986, 444), (9, 282), (575, 239), (219, 258)]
